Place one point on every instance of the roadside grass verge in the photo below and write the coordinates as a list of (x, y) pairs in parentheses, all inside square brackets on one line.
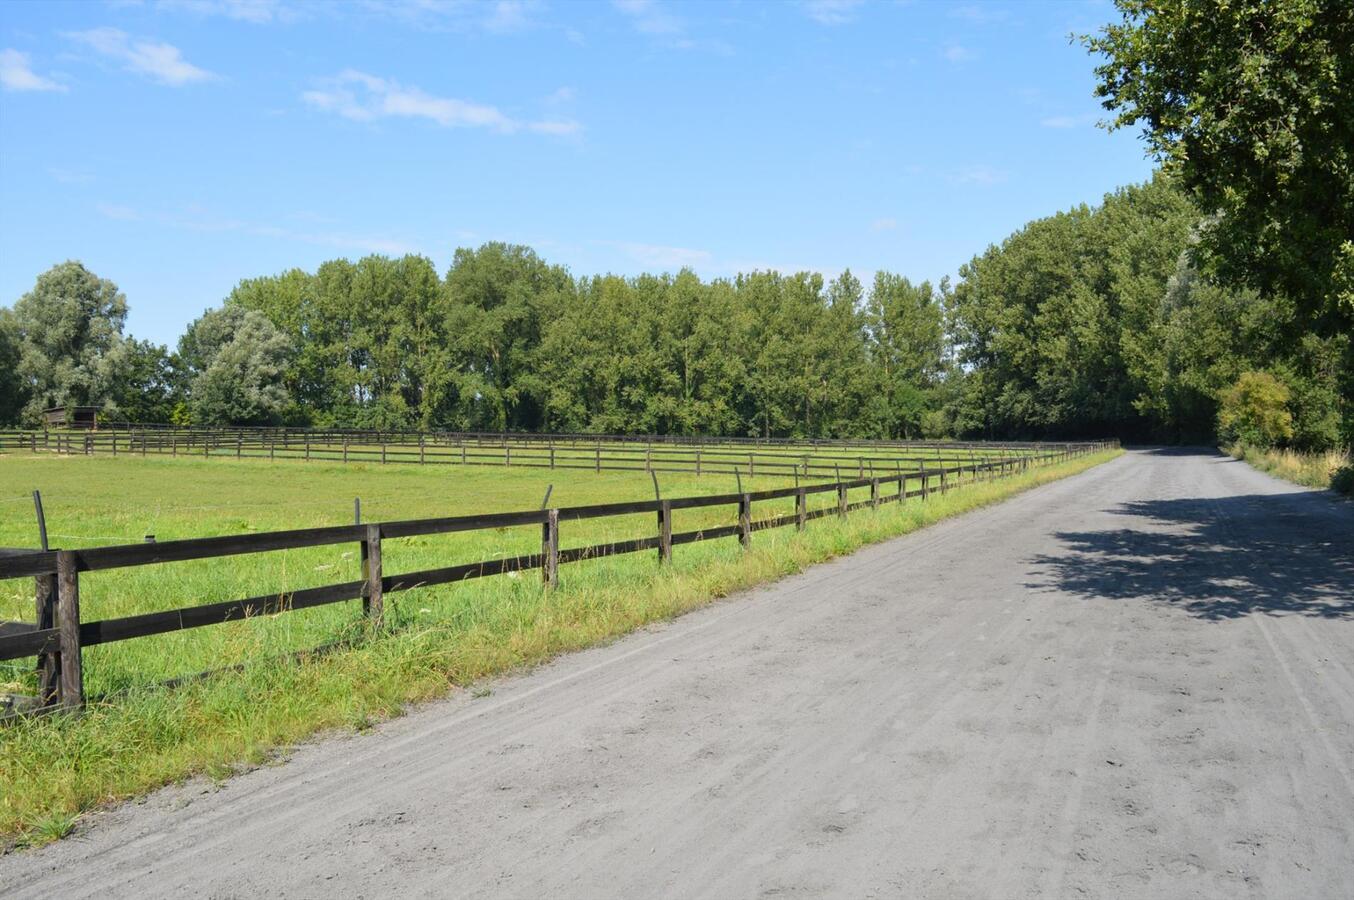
[(137, 735), (1332, 469)]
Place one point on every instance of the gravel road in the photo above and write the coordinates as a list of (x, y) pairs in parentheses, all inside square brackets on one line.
[(1137, 682)]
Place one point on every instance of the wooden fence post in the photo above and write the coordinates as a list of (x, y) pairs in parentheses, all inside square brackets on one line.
[(550, 548), (841, 499), (801, 509), (68, 628), (925, 484), (745, 521), (373, 597), (698, 462), (874, 492), (665, 532), (49, 664), (420, 449), (599, 458)]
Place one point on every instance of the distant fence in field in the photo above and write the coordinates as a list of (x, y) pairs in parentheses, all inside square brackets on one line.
[(59, 634), (600, 453)]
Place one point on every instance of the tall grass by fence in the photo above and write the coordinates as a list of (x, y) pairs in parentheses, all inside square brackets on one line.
[(58, 635)]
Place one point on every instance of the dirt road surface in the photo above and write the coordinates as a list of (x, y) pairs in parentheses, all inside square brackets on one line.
[(1137, 682)]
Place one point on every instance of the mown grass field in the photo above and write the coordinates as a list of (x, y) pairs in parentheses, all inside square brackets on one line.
[(138, 733)]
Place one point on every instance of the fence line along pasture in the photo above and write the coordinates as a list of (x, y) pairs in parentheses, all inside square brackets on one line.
[(59, 634), (818, 459)]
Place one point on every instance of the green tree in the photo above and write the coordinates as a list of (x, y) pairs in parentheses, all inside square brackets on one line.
[(905, 329), (13, 392), (235, 361), (1251, 104), (65, 326), (1254, 411), (138, 377)]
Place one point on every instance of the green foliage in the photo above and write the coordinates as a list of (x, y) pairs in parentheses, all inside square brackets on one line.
[(65, 327), (1060, 325), (139, 380), (234, 361), (1254, 411), (1251, 104), (13, 391)]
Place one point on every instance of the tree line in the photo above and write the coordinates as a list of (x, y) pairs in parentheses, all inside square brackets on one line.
[(1215, 302)]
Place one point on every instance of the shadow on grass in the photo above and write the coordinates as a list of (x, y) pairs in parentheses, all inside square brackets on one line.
[(1218, 558)]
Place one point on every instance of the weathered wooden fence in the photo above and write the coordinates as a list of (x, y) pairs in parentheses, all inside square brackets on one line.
[(724, 456), (59, 634)]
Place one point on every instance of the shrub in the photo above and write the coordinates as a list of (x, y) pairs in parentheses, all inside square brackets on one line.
[(1254, 411)]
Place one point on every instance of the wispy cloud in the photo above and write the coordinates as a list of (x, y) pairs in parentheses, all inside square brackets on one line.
[(363, 98), (16, 74), (70, 176), (982, 175), (985, 14), (957, 53), (198, 220), (649, 16), (660, 257), (118, 213), (157, 61), (1068, 121), (561, 96), (509, 15), (498, 16), (832, 12), (258, 12), (885, 224)]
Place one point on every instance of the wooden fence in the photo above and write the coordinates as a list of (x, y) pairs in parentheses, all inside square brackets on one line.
[(59, 634), (818, 460)]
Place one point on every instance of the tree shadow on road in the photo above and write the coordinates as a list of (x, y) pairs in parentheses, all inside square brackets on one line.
[(1218, 558)]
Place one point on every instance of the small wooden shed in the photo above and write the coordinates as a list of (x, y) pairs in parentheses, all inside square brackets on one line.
[(72, 417)]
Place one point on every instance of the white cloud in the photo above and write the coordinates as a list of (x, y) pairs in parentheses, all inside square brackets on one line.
[(980, 175), (361, 97), (508, 15), (198, 220), (648, 16), (562, 95), (16, 74), (556, 127), (885, 224), (160, 62), (1067, 121), (118, 213), (980, 15), (957, 53), (662, 257), (832, 12), (499, 16), (258, 12), (70, 176)]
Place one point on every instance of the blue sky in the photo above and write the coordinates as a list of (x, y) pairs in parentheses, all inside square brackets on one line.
[(177, 146)]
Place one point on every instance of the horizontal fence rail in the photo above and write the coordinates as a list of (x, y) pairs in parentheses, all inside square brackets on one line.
[(810, 459), (59, 634)]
